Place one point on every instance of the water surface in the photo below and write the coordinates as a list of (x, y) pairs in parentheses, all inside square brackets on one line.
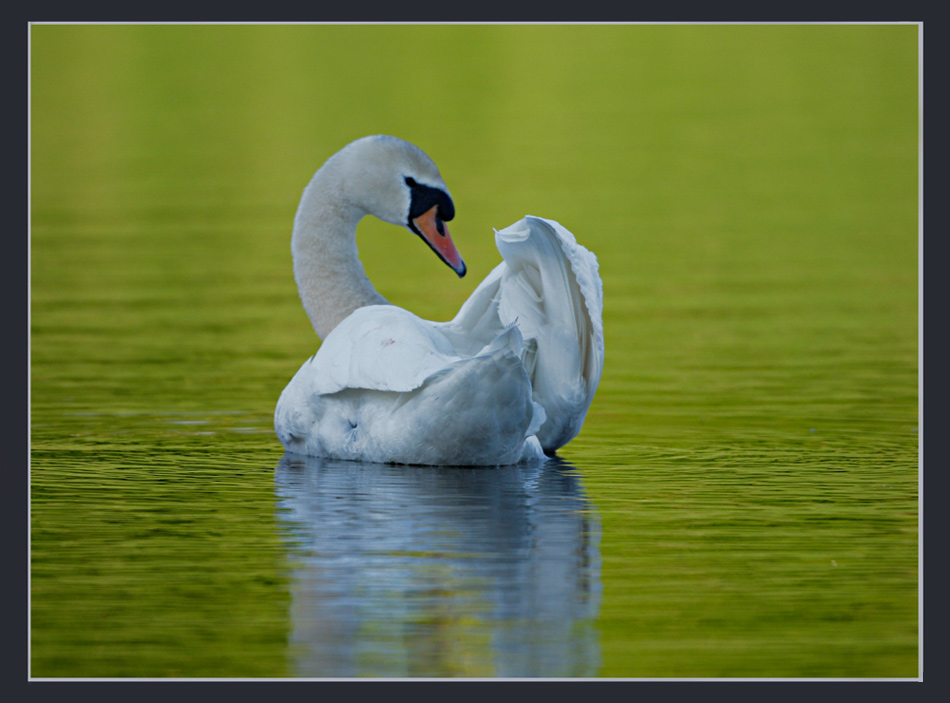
[(440, 571), (743, 498)]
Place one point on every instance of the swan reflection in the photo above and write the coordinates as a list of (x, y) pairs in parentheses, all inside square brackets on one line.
[(402, 571)]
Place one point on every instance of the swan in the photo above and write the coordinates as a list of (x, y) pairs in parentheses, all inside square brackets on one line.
[(508, 380)]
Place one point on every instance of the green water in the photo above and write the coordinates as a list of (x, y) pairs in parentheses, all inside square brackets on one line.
[(747, 475)]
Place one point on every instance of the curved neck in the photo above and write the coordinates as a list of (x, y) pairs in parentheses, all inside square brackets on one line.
[(329, 275)]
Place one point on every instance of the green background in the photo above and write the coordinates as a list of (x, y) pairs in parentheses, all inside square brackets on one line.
[(751, 193)]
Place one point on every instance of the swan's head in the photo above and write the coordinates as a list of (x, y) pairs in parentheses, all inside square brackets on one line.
[(398, 183)]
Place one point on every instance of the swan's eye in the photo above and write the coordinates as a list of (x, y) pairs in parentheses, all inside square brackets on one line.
[(423, 197)]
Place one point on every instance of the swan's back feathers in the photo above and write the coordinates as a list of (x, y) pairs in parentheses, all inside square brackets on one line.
[(549, 286), (415, 405), (384, 348)]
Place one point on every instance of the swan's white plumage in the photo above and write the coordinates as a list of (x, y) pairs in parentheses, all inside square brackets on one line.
[(509, 378), (548, 285)]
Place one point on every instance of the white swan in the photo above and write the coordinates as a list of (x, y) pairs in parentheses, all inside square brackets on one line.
[(508, 380)]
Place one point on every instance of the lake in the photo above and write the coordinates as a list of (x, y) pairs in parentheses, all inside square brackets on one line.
[(743, 500)]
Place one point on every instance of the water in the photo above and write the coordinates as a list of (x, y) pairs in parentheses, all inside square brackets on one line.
[(440, 572), (743, 499)]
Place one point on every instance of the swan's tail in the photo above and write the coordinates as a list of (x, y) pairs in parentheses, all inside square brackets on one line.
[(549, 287)]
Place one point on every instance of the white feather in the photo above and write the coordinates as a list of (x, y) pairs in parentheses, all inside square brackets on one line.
[(509, 379)]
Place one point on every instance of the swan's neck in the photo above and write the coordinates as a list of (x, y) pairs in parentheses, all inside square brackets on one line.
[(330, 277)]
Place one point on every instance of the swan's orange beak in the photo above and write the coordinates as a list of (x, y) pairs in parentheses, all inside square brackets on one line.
[(432, 229)]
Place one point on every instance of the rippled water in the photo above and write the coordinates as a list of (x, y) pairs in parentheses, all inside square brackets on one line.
[(418, 571), (743, 498)]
